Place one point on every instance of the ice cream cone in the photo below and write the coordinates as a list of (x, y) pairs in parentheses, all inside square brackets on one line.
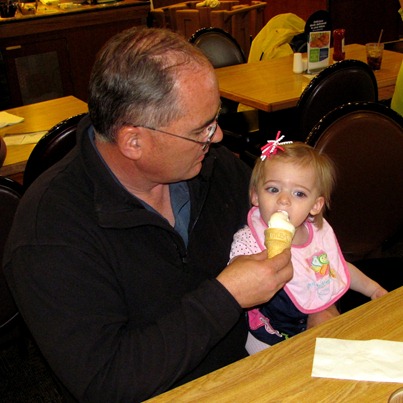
[(276, 240), (279, 234)]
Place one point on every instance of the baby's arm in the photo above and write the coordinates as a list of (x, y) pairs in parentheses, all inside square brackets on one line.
[(243, 243), (363, 284), (317, 318)]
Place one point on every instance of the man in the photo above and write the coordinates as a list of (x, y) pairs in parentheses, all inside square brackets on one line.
[(117, 258)]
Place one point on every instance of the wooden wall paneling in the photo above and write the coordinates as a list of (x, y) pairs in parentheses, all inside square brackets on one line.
[(364, 19), (303, 8)]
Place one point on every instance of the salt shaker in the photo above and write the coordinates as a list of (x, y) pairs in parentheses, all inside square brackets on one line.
[(297, 66)]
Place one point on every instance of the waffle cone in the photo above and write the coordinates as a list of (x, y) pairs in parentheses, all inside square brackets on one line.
[(276, 240)]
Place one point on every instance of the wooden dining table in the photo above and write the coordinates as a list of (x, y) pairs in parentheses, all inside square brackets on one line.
[(271, 85), (38, 117), (282, 373)]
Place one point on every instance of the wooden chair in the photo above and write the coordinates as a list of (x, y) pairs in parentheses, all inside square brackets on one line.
[(52, 147)]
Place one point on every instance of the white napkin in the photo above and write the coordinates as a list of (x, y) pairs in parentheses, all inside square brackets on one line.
[(7, 119), (369, 360), (26, 138)]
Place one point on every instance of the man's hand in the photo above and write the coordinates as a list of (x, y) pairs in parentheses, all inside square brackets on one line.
[(254, 279)]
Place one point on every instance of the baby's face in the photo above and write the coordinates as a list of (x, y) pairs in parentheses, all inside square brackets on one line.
[(289, 187)]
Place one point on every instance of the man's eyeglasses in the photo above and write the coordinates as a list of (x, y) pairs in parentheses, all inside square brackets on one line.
[(210, 130)]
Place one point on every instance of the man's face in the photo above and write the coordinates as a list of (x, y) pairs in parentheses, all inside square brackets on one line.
[(170, 159)]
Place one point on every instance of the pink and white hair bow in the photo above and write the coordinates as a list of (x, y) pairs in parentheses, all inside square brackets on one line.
[(273, 146)]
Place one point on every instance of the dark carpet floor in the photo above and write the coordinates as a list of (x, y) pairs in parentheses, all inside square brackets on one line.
[(25, 377)]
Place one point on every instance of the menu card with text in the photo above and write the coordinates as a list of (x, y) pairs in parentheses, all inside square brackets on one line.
[(318, 33)]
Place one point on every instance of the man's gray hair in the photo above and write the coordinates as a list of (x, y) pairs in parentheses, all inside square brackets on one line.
[(133, 79)]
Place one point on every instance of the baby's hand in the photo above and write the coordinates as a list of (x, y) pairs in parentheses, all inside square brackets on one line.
[(379, 292)]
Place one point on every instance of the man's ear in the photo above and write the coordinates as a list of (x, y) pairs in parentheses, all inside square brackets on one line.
[(128, 142)]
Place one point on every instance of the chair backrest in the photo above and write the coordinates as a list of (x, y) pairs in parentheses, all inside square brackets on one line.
[(222, 50), (52, 147), (338, 84), (219, 46), (365, 141), (10, 195)]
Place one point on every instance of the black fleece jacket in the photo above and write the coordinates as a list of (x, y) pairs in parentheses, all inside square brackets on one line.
[(119, 307)]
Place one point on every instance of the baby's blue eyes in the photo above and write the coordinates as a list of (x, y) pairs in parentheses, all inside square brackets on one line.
[(297, 193)]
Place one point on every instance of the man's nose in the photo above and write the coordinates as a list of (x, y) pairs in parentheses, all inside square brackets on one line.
[(218, 135)]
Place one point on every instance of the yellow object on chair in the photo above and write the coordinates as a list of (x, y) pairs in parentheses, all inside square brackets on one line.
[(274, 38), (397, 99)]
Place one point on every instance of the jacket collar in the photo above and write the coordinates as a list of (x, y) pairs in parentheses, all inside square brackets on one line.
[(114, 205)]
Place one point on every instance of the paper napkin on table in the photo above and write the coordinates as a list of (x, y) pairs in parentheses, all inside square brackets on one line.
[(27, 138), (7, 119), (369, 360)]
